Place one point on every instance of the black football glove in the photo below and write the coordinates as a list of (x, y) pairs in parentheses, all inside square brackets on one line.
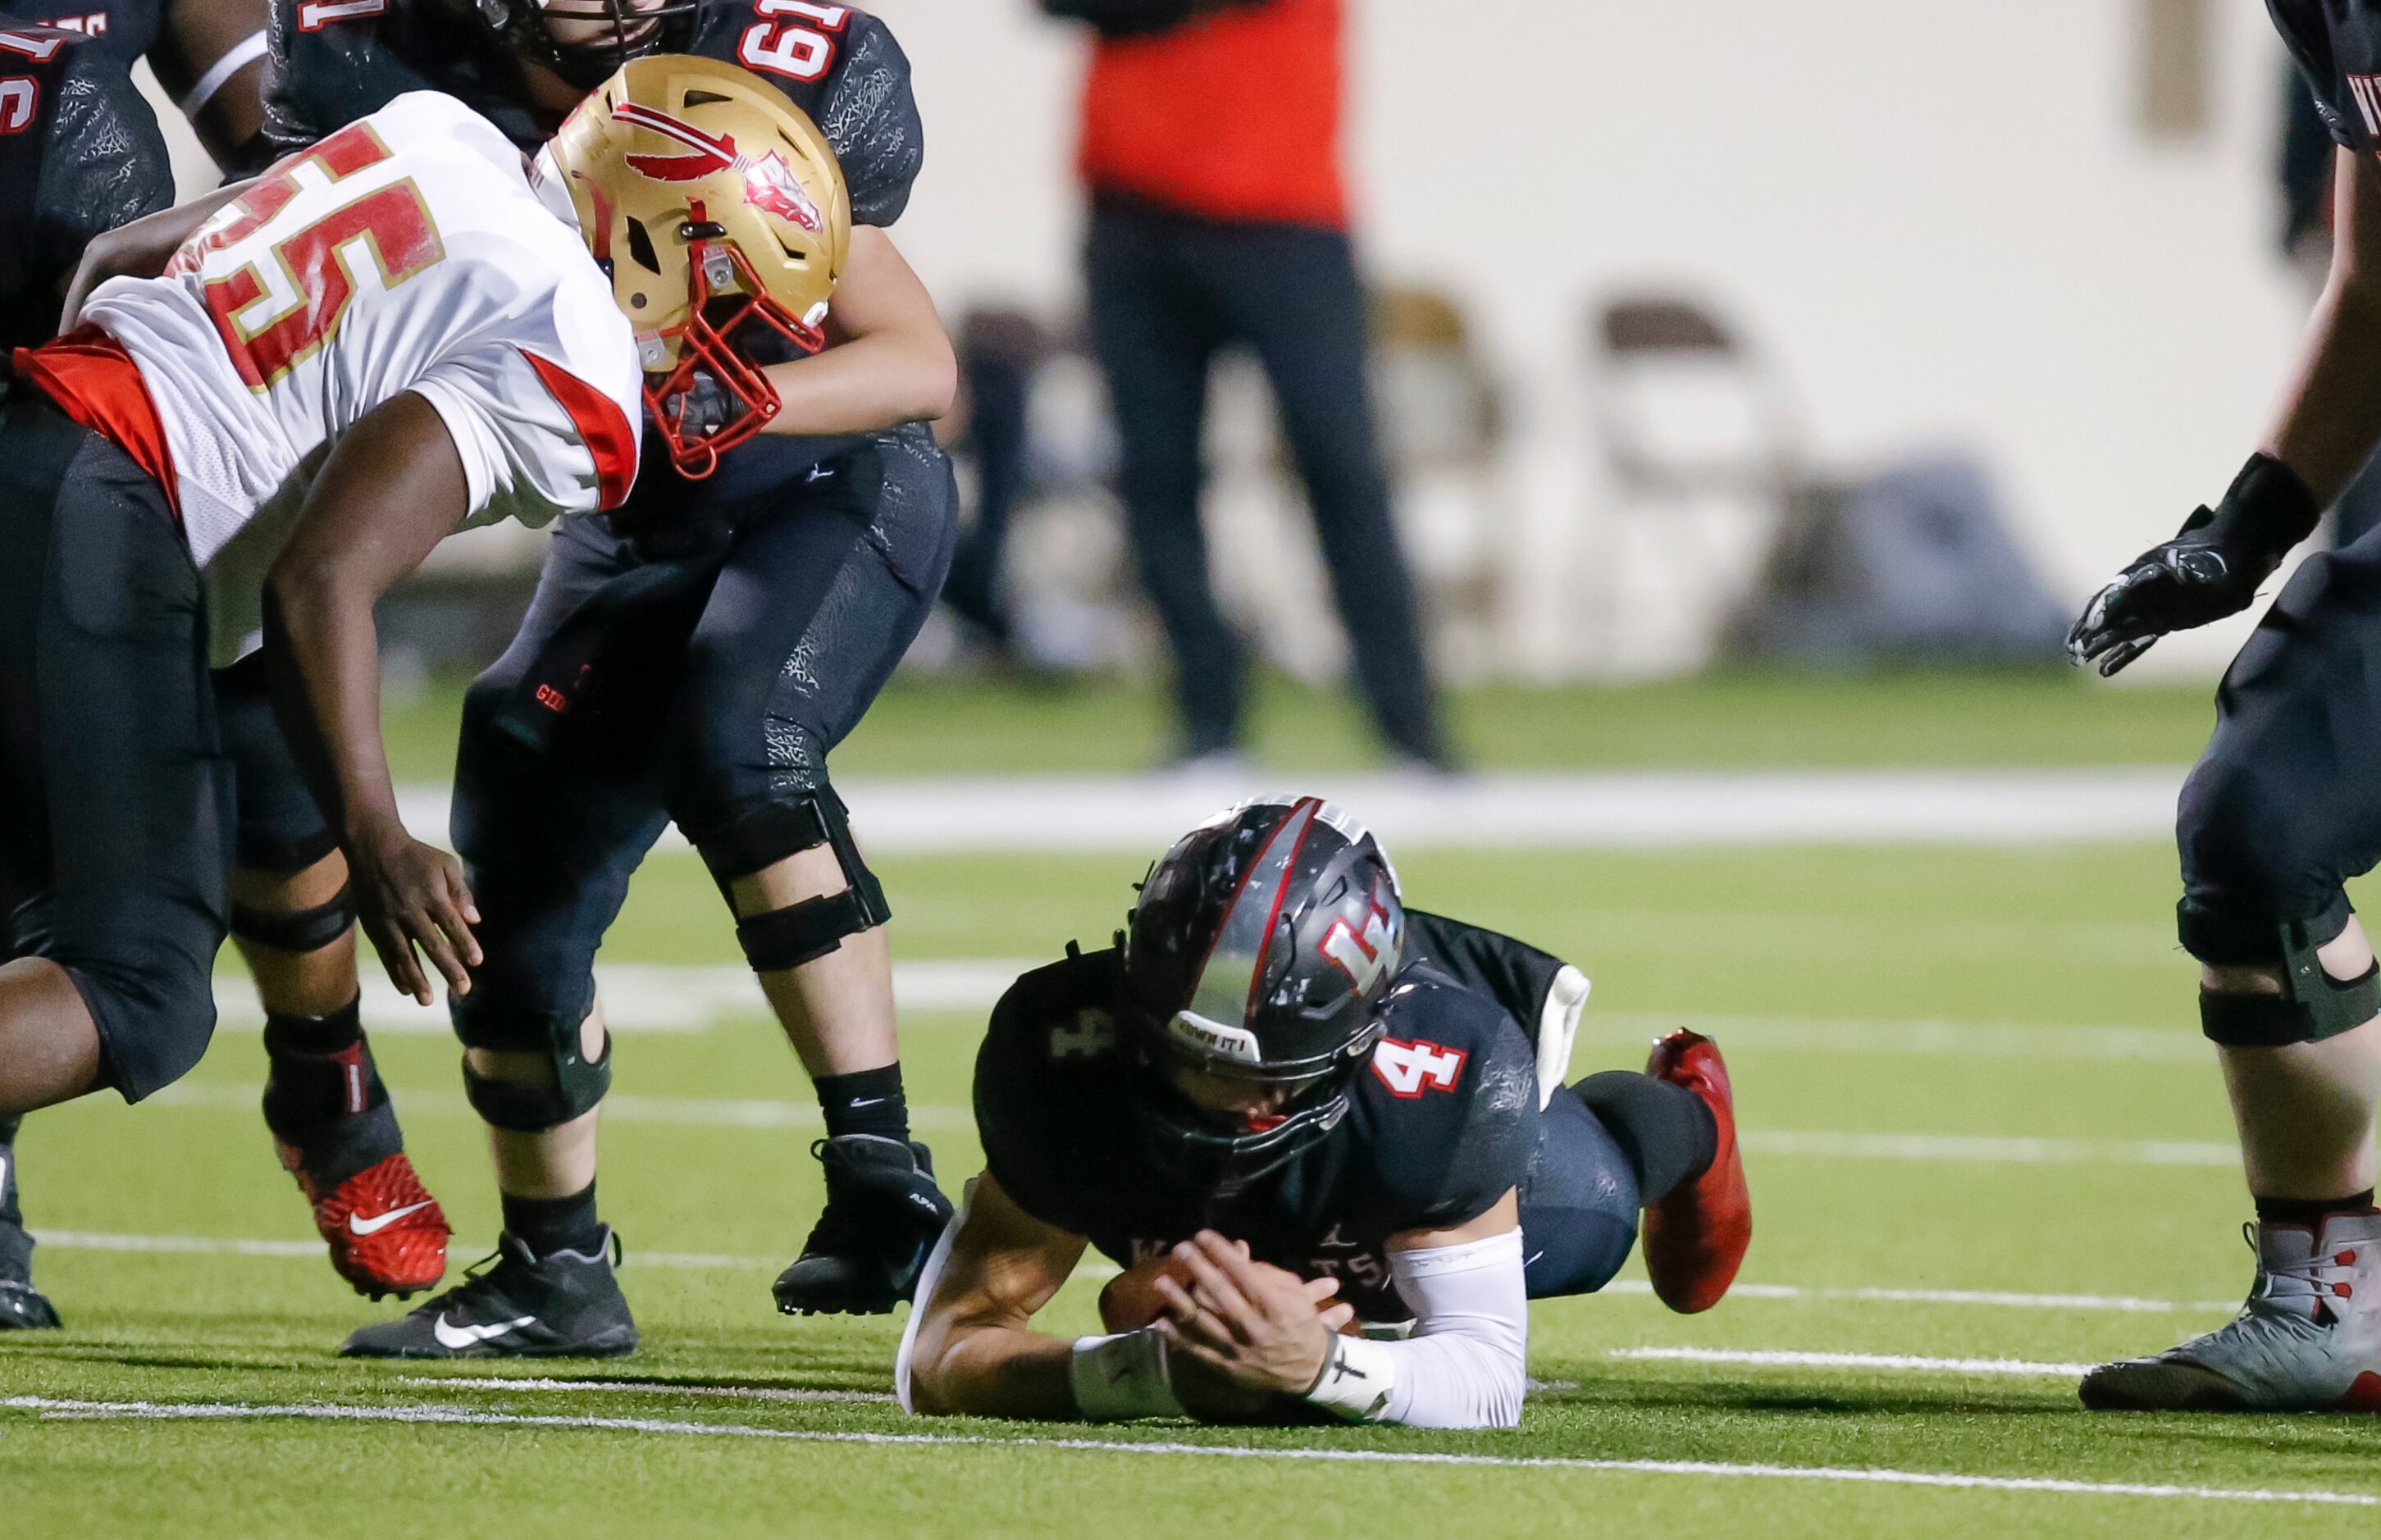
[(2211, 568)]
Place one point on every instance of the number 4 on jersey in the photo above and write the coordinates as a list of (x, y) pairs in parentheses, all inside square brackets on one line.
[(1410, 1068)]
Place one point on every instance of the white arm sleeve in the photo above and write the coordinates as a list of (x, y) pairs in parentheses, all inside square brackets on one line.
[(1464, 1366)]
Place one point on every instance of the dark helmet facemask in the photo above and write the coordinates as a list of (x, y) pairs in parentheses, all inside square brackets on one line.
[(618, 31)]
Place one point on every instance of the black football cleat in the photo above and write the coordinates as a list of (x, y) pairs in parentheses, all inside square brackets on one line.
[(22, 1308), (884, 1214), (566, 1304)]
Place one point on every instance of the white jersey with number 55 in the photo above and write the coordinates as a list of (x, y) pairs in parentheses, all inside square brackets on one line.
[(408, 252)]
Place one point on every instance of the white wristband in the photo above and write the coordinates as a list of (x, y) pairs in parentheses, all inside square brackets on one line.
[(1356, 1379), (1121, 1378)]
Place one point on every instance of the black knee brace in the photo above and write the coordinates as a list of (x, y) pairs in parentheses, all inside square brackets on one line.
[(765, 833), (305, 930), (2311, 1006), (575, 1084)]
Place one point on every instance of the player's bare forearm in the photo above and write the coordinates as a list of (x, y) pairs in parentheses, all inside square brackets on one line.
[(974, 1352), (997, 1371), (2330, 416), (139, 249), (889, 362), (388, 494), (390, 491), (197, 36)]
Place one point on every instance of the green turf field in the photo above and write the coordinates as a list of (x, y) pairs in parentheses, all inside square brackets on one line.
[(1982, 1126)]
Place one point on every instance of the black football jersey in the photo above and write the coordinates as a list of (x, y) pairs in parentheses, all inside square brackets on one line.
[(334, 61), (2338, 46), (1444, 1121), (80, 153), (122, 31)]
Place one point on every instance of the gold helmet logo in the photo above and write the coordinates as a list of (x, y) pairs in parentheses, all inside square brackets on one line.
[(717, 206)]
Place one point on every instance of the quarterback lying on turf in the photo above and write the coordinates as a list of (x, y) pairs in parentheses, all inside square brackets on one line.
[(1327, 1136)]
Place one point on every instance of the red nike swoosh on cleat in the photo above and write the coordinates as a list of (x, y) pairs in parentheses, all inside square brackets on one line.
[(357, 1225)]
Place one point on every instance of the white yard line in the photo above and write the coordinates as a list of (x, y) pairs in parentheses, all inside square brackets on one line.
[(90, 1240), (1990, 1150), (692, 997), (745, 1113), (1510, 811), (648, 1387), (50, 1408), (1766, 1359)]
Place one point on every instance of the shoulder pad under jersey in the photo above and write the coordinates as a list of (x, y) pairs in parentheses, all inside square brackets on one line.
[(80, 153), (841, 66), (1044, 1079), (1448, 1109)]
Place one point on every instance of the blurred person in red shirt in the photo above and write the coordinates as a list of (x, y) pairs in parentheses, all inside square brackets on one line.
[(1211, 151)]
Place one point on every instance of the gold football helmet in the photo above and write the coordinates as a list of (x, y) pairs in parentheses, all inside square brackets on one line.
[(716, 207)]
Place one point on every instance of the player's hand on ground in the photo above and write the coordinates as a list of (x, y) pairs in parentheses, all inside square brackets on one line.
[(409, 895), (1257, 1326), (2197, 577)]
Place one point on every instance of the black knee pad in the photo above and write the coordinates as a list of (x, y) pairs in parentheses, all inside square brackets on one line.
[(761, 834), (2312, 1005), (299, 931), (575, 1086)]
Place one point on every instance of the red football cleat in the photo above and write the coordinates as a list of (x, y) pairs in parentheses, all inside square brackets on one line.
[(1696, 1235), (387, 1233)]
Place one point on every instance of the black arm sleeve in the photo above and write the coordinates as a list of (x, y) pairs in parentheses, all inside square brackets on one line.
[(104, 165)]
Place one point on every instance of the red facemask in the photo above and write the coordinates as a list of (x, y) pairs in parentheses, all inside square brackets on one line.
[(707, 353)]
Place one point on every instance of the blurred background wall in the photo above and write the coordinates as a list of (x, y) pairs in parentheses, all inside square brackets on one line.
[(2039, 233)]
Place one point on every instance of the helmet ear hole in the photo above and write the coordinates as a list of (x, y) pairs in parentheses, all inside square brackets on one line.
[(640, 247)]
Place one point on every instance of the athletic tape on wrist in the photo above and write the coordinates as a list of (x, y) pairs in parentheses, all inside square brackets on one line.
[(1357, 1377), (1121, 1378)]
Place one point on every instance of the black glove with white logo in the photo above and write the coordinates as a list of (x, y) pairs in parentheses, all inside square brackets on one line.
[(2211, 568)]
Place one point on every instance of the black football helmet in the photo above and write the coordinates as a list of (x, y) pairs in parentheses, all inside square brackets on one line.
[(617, 33), (1254, 965)]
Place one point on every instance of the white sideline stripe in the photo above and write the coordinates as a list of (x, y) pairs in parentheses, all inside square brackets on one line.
[(673, 997), (464, 1417), (649, 1388), (1988, 1149), (90, 1240), (1855, 1360), (1510, 811)]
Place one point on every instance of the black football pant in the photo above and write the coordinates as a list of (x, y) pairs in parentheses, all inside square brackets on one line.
[(1168, 291), (697, 687), (2285, 804), (1579, 1203), (116, 797)]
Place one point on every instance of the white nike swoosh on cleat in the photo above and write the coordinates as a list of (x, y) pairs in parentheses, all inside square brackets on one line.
[(452, 1336), (378, 1222)]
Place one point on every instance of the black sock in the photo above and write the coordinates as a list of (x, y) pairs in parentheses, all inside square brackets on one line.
[(867, 1102), (549, 1225), (9, 1213), (1669, 1133), (321, 1071), (2309, 1213)]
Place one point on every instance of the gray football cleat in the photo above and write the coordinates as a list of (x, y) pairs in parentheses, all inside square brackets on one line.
[(2308, 1340)]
